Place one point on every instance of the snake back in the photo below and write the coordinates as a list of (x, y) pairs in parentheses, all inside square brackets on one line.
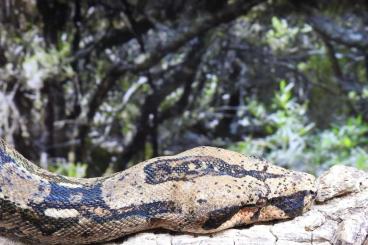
[(202, 190)]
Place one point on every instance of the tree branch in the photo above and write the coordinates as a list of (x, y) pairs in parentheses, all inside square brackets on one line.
[(113, 38), (200, 26), (179, 107), (184, 73), (228, 14), (329, 29)]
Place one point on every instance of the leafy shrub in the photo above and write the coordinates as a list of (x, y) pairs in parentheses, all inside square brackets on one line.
[(70, 169), (295, 142)]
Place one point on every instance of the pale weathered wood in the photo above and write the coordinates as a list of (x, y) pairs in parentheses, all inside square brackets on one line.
[(339, 217)]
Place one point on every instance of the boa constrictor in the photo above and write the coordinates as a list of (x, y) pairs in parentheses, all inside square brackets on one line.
[(202, 190)]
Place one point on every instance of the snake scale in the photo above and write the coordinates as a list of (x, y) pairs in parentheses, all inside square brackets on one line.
[(202, 190)]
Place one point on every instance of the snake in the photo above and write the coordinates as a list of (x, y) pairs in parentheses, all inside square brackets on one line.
[(202, 190)]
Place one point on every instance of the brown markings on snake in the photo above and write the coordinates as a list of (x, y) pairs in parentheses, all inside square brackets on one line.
[(191, 167), (92, 205), (44, 224), (219, 216), (49, 225), (291, 205)]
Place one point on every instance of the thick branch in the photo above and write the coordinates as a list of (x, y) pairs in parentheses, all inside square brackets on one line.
[(179, 107), (348, 37), (184, 73), (114, 37)]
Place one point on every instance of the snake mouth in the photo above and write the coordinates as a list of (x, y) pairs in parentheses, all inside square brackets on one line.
[(313, 194), (309, 200), (295, 204)]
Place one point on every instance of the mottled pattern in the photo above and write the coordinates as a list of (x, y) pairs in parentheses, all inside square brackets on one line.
[(202, 190), (191, 167)]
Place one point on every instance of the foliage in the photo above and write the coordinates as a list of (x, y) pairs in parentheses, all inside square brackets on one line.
[(281, 34), (116, 82), (296, 142), (69, 169)]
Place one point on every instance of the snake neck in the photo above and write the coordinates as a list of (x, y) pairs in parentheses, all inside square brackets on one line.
[(9, 155), (24, 183)]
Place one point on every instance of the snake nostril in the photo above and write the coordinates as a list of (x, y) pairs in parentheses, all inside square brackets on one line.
[(313, 193), (261, 202)]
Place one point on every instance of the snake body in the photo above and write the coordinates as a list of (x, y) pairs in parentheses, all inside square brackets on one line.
[(202, 190)]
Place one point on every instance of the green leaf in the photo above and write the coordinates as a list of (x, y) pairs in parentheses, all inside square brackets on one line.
[(347, 142)]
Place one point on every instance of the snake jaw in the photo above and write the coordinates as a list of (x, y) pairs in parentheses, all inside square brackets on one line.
[(274, 209), (309, 200)]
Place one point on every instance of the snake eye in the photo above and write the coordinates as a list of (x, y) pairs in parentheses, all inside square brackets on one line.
[(261, 202), (313, 193)]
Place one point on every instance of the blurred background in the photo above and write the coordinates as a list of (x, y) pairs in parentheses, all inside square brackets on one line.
[(88, 88)]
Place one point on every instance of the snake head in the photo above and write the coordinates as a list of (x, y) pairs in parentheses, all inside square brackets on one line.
[(274, 193), (295, 195), (289, 195)]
